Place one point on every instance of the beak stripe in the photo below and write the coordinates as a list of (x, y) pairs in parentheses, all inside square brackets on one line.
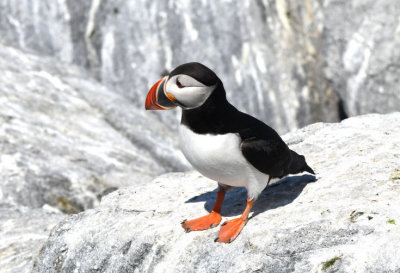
[(158, 98), (162, 98)]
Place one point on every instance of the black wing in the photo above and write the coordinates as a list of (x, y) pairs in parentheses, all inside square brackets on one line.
[(264, 148), (267, 152), (269, 156)]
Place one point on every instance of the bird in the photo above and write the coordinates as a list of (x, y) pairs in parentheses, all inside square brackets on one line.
[(224, 144)]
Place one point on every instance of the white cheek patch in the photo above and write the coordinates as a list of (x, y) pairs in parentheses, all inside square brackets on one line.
[(188, 81), (192, 95)]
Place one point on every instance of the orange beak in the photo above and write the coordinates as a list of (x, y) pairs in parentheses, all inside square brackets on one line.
[(158, 98)]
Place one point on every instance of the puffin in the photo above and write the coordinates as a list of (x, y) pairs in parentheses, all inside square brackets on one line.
[(222, 143)]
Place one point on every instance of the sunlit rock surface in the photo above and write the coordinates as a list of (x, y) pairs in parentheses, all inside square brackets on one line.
[(345, 221), (22, 234), (285, 61)]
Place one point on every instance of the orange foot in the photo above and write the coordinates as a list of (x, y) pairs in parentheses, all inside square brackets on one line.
[(230, 230), (209, 221)]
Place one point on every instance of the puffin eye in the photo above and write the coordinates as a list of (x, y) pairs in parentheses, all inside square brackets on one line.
[(178, 83)]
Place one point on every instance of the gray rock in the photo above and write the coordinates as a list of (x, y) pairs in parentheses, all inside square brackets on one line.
[(23, 231), (361, 50), (346, 221), (63, 146)]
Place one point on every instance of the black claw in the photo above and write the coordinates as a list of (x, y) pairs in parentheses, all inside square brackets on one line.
[(224, 224), (187, 229), (212, 225), (183, 221), (216, 239), (229, 241)]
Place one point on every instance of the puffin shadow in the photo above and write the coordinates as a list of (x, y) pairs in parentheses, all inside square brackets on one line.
[(281, 193), (276, 195)]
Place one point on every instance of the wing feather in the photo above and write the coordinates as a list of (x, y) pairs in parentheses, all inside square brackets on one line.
[(264, 149)]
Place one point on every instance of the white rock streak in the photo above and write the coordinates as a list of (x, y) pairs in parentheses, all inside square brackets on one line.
[(90, 29)]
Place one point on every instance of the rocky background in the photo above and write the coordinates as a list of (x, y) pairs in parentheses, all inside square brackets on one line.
[(289, 62), (73, 79)]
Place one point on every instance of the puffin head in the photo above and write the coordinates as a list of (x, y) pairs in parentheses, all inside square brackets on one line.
[(188, 86)]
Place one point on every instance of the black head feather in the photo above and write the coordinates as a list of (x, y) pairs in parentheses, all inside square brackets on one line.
[(198, 71)]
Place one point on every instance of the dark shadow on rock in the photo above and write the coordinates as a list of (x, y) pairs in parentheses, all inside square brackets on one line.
[(279, 194)]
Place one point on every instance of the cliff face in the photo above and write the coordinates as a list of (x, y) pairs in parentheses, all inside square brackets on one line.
[(289, 62), (345, 220)]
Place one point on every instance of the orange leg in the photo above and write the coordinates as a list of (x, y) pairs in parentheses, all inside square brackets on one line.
[(231, 229), (209, 221)]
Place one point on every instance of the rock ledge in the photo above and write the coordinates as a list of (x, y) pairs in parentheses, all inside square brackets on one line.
[(346, 221)]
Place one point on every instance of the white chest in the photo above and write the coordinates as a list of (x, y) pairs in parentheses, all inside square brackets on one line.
[(217, 157)]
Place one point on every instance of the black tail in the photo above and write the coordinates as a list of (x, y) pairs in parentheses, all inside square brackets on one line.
[(299, 164)]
